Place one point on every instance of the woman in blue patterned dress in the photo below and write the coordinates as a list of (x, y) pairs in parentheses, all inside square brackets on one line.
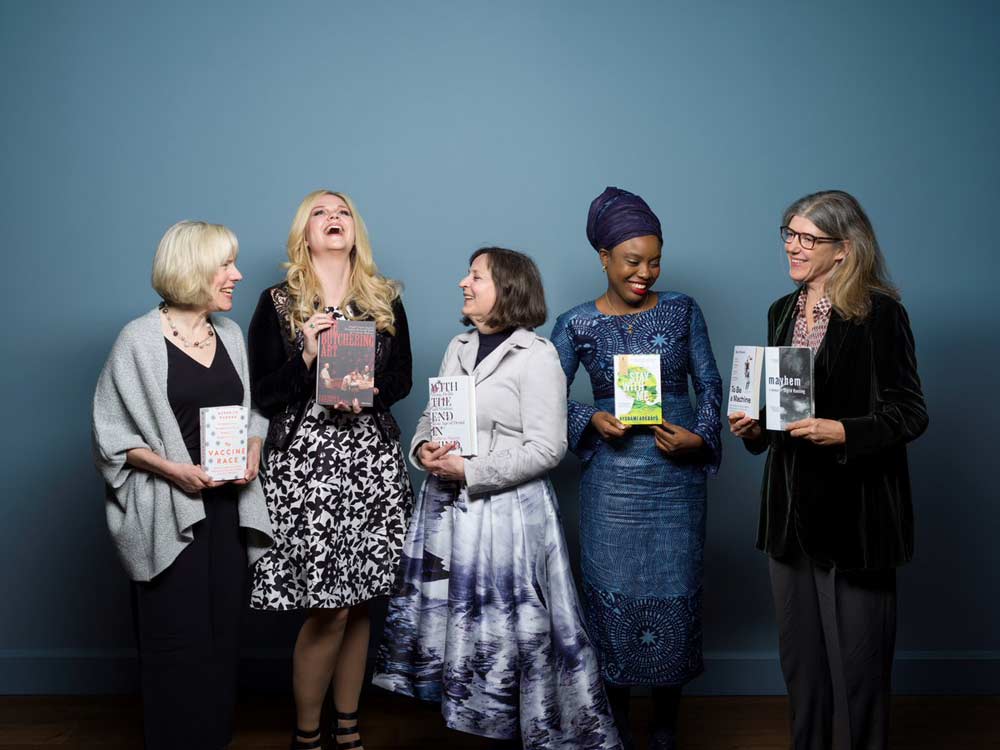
[(642, 494)]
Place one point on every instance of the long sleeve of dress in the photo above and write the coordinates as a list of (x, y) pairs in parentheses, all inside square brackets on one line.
[(583, 438), (276, 379), (707, 388), (395, 383)]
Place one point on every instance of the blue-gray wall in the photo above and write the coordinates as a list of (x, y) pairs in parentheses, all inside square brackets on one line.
[(455, 124)]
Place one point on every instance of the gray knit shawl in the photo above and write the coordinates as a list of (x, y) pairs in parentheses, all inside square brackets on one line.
[(150, 519)]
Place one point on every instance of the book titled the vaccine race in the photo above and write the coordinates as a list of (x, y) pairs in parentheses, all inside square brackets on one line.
[(452, 411), (788, 385), (224, 442), (345, 363), (744, 382), (637, 389)]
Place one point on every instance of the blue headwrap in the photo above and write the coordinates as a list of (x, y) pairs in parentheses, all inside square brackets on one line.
[(618, 215)]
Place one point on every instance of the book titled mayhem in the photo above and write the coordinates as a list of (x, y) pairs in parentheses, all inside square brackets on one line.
[(637, 389), (345, 363), (452, 410), (224, 442), (788, 385)]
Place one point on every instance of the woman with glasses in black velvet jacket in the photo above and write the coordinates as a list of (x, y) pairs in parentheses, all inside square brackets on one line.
[(836, 517)]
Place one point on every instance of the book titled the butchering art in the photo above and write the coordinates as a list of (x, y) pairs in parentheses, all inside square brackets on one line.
[(345, 363)]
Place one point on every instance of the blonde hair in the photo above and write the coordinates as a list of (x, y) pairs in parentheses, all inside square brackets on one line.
[(368, 292), (187, 259), (863, 270)]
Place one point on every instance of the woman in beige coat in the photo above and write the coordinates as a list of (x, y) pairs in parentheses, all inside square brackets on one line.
[(485, 619)]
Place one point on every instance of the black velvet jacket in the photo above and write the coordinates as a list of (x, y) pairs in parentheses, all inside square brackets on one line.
[(282, 386), (849, 505)]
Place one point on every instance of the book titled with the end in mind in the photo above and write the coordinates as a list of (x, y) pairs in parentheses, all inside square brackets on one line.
[(452, 411)]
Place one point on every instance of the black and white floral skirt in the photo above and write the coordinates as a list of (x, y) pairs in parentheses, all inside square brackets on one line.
[(340, 500)]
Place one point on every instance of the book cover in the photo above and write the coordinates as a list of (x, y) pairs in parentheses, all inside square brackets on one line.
[(637, 389), (345, 363), (224, 441), (788, 377), (744, 382), (452, 409)]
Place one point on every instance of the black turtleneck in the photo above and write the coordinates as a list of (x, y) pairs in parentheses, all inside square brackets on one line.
[(490, 341)]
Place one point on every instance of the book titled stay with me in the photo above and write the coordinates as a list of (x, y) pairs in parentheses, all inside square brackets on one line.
[(345, 363), (638, 398)]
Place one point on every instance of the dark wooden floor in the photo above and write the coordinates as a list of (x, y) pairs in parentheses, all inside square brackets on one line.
[(731, 723)]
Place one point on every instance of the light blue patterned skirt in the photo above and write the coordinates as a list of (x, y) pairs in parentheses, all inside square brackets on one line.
[(486, 620), (642, 539)]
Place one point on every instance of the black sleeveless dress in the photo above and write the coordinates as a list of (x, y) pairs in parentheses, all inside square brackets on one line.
[(187, 618)]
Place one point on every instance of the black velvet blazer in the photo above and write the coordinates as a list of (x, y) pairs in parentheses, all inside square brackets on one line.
[(849, 505), (282, 386)]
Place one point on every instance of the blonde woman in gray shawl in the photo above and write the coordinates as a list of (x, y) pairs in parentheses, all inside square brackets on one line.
[(184, 539)]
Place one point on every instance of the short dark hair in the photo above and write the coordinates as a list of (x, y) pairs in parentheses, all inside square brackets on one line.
[(520, 295)]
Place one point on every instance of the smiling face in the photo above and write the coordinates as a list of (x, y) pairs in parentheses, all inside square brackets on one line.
[(330, 227), (632, 267), (812, 267), (223, 283), (479, 291)]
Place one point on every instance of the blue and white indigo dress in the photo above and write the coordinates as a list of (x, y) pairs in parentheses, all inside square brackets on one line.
[(485, 618), (642, 514)]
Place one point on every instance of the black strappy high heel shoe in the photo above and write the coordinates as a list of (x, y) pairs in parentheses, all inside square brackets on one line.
[(314, 743), (345, 731)]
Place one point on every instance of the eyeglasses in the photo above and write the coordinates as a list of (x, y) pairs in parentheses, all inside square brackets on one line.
[(808, 241)]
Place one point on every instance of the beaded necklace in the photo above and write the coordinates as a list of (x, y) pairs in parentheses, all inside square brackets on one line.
[(201, 344)]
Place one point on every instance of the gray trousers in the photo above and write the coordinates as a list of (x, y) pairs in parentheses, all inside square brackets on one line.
[(837, 634)]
